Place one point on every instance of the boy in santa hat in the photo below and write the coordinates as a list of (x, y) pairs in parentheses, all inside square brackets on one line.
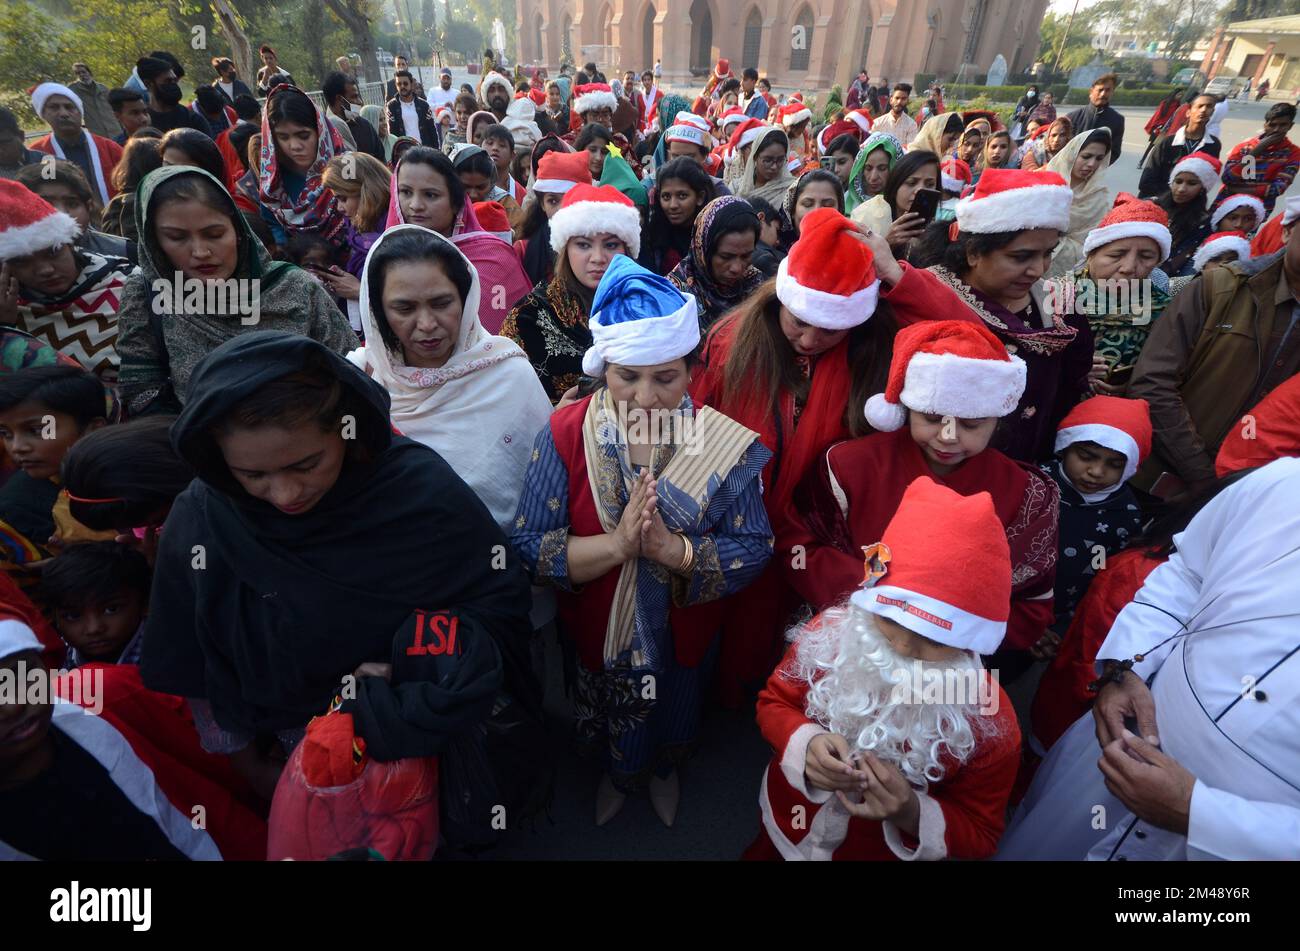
[(1099, 445), (873, 758), (1238, 213), (950, 382)]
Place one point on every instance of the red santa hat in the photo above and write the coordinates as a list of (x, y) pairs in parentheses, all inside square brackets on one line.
[(955, 174), (793, 112), (558, 172), (933, 530), (596, 209), (834, 131), (29, 223), (723, 69), (594, 96), (1201, 164), (862, 119), (686, 117), (1112, 422), (1221, 243), (688, 127), (492, 216), (829, 277), (732, 116), (1014, 200), (494, 79), (444, 114), (947, 368), (1232, 203), (1270, 431), (1131, 217)]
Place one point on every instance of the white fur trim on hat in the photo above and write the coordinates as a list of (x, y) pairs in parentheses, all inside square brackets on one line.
[(1198, 167), (555, 186), (1100, 237), (1292, 211), (495, 79), (16, 637), (1108, 437), (597, 217), (827, 311), (1212, 249), (884, 415), (932, 618), (1017, 209), (1231, 204), (861, 121), (645, 342), (595, 100), (951, 184), (748, 138), (42, 93), (795, 118), (48, 232), (944, 384), (687, 133)]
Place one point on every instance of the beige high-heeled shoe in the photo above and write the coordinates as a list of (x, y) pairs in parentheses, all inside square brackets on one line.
[(664, 796), (609, 801)]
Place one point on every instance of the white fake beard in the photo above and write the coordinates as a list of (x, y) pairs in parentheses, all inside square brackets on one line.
[(862, 689)]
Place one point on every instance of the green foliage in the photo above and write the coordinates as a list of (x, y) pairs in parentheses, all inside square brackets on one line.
[(1077, 51), (834, 103), (29, 53)]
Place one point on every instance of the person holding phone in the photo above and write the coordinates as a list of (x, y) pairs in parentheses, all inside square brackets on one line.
[(891, 213)]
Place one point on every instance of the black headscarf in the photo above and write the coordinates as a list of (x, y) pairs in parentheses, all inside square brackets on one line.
[(283, 606)]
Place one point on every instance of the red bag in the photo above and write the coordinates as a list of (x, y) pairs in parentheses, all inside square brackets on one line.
[(333, 797)]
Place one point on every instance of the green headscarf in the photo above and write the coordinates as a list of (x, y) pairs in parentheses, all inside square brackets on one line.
[(856, 193), (619, 174)]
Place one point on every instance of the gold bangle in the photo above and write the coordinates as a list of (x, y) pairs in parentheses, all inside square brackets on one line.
[(688, 556)]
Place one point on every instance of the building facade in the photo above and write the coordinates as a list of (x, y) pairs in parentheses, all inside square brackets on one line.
[(1258, 50), (807, 44)]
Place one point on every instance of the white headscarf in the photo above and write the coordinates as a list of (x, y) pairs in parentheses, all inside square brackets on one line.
[(1091, 202), (480, 411)]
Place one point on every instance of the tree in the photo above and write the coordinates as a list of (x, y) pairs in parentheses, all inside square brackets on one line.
[(241, 51), (29, 53), (1078, 48), (357, 16)]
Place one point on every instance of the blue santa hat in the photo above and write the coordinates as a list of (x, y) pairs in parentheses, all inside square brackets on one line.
[(639, 319)]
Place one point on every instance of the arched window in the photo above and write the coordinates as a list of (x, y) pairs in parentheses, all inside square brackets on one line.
[(648, 38), (753, 40), (537, 38), (801, 40), (607, 27), (566, 38), (701, 35)]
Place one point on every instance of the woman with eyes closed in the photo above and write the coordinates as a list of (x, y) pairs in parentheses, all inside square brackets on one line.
[(595, 224), (994, 256), (796, 364), (321, 532), (427, 191), (189, 225)]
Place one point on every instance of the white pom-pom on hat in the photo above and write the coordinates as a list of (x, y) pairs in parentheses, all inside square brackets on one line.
[(593, 364), (884, 415)]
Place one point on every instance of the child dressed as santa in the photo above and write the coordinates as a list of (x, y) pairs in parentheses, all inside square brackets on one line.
[(890, 738)]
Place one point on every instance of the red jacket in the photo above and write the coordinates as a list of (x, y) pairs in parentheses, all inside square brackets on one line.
[(962, 816), (110, 153)]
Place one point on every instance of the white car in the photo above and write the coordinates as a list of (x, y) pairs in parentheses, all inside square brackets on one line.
[(1226, 86)]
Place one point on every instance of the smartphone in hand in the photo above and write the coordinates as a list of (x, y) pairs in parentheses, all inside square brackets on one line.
[(925, 202)]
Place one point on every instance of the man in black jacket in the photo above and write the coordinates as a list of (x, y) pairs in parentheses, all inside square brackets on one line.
[(410, 115), (228, 82), (165, 110), (1098, 114), (344, 100), (1169, 150)]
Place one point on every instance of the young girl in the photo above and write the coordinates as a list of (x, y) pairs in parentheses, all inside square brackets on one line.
[(557, 172), (950, 382), (593, 226), (1006, 231), (765, 173), (817, 188), (1047, 144), (594, 140), (1244, 213), (1186, 203), (997, 153), (796, 364), (682, 189), (636, 531), (477, 172), (64, 186), (1083, 165), (360, 184), (718, 272), (297, 143)]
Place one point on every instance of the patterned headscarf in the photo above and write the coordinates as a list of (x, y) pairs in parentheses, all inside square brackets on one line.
[(315, 209), (692, 274)]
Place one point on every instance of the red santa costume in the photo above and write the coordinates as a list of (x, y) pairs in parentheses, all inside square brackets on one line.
[(843, 676), (942, 368), (828, 280), (804, 148), (104, 153)]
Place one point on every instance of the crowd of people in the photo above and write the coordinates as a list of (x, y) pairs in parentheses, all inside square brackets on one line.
[(319, 421)]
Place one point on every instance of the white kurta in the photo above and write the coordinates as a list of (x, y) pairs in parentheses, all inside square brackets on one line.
[(1227, 695)]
